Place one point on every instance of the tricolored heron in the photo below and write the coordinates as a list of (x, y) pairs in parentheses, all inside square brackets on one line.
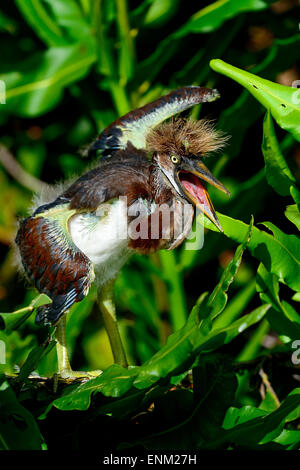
[(83, 235)]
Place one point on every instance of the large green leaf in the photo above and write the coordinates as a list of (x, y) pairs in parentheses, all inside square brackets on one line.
[(280, 253), (179, 353), (282, 101), (38, 84), (216, 383)]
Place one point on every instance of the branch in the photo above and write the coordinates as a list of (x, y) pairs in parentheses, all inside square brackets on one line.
[(18, 173)]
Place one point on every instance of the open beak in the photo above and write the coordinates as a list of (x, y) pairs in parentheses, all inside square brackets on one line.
[(191, 175)]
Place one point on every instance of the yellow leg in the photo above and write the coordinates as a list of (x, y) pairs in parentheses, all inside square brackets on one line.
[(64, 367), (108, 309)]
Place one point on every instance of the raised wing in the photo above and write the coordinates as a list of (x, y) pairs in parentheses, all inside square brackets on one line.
[(126, 173), (134, 126)]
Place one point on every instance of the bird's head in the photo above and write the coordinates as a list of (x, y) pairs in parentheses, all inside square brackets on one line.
[(178, 149)]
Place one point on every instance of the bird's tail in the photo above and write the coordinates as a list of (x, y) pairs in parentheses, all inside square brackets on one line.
[(50, 314)]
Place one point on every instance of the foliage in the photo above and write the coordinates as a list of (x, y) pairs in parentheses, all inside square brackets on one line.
[(221, 376)]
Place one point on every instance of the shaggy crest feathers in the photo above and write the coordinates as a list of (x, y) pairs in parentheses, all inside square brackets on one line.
[(186, 137)]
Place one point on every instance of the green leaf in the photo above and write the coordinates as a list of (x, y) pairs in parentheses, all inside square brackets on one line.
[(236, 306), (282, 101), (160, 12), (295, 193), (69, 17), (127, 53), (179, 352), (216, 385), (281, 56), (249, 426), (283, 318), (289, 439), (293, 214), (39, 19), (12, 321), (57, 23), (280, 253), (33, 359), (176, 295), (277, 171), (38, 85), (113, 382), (296, 413), (212, 16), (18, 429)]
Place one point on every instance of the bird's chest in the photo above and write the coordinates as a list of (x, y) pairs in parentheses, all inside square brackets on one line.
[(103, 237)]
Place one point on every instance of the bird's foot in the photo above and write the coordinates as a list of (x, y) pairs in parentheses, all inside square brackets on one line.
[(83, 376)]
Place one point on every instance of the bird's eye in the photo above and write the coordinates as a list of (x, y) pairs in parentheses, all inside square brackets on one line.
[(174, 159)]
